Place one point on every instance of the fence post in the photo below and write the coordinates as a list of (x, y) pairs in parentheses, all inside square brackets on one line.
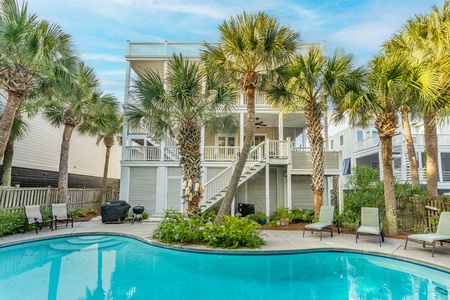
[(47, 197)]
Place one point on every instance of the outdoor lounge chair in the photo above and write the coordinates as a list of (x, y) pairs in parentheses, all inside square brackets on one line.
[(442, 233), (370, 223), (59, 212), (33, 216), (325, 221)]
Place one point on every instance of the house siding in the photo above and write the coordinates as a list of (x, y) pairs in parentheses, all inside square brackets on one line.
[(302, 195), (143, 188)]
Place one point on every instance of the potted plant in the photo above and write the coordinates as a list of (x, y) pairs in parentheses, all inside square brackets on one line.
[(260, 218), (284, 216)]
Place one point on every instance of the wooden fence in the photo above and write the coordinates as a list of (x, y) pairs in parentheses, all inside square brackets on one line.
[(13, 199), (420, 212)]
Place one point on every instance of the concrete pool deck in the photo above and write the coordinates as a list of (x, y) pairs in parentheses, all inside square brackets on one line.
[(276, 240)]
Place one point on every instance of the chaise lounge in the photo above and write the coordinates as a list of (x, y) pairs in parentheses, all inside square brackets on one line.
[(326, 219), (442, 233)]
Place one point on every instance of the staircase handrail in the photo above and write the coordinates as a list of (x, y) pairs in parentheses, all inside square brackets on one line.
[(218, 183)]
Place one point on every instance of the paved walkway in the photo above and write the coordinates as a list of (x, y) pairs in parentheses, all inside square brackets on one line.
[(276, 240)]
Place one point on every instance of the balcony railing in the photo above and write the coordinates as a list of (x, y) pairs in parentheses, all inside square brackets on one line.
[(221, 153), (164, 49)]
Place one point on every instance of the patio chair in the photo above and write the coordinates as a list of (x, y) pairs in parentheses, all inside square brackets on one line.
[(59, 212), (442, 233), (370, 223), (325, 221), (33, 216)]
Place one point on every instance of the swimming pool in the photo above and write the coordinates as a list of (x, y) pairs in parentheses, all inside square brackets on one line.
[(118, 267)]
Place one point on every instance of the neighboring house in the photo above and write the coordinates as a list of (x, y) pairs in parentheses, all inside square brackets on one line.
[(278, 169), (36, 158), (362, 147)]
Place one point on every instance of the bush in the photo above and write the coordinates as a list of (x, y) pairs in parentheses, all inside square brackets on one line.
[(11, 223), (233, 233), (79, 213), (177, 228)]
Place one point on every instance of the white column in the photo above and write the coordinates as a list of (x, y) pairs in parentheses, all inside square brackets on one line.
[(125, 141), (124, 183), (202, 143), (241, 130), (267, 190), (280, 127), (441, 179)]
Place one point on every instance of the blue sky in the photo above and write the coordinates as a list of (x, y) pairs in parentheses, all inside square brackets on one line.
[(101, 28)]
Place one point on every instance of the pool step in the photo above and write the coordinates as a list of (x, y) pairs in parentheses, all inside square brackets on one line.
[(83, 243)]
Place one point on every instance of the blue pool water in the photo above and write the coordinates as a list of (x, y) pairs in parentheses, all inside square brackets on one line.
[(117, 267)]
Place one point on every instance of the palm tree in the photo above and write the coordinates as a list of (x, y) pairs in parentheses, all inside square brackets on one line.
[(104, 122), (250, 45), (178, 105), (305, 85), (28, 47), (380, 99), (424, 41), (69, 107)]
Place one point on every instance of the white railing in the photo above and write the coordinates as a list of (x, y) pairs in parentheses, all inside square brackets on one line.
[(260, 100), (278, 149), (143, 153), (367, 143), (165, 49), (218, 184), (172, 153), (221, 153)]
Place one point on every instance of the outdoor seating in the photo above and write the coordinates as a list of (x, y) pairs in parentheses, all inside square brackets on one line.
[(59, 212), (33, 216), (442, 233), (326, 220), (370, 223)]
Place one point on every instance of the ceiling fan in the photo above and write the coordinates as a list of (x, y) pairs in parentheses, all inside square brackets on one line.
[(259, 123)]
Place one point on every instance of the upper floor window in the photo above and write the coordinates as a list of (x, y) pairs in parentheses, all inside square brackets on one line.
[(341, 140), (359, 136), (332, 144)]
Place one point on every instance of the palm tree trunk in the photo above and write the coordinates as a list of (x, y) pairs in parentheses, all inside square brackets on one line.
[(413, 167), (7, 120), (7, 163), (225, 207), (313, 114), (63, 176), (105, 173), (108, 140), (388, 178), (432, 153)]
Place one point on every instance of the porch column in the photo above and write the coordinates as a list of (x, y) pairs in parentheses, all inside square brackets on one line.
[(280, 127), (441, 179), (202, 143), (162, 146), (267, 190), (125, 141), (380, 164), (241, 130), (289, 180)]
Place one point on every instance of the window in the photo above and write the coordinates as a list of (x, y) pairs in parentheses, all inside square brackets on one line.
[(332, 144), (341, 140), (346, 166), (359, 136)]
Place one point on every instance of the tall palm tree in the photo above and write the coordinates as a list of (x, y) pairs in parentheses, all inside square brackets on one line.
[(424, 40), (104, 122), (250, 45), (380, 99), (178, 105), (305, 85), (69, 107), (28, 47)]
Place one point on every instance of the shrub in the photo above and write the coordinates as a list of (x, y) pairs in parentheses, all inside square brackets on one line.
[(78, 212), (11, 222), (233, 233), (177, 228)]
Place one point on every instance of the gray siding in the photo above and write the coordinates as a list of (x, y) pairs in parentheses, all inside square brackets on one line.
[(143, 188), (212, 172), (302, 195), (173, 193), (256, 190)]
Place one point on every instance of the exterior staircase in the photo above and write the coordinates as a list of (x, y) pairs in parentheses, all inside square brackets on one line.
[(216, 188)]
